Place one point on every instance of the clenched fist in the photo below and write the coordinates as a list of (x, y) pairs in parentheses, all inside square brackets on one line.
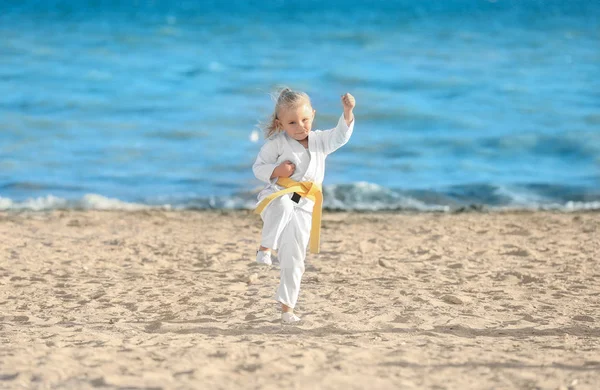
[(349, 103), (285, 169)]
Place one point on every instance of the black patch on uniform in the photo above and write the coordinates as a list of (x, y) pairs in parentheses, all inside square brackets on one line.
[(296, 197)]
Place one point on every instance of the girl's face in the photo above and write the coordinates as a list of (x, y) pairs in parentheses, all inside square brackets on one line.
[(296, 121)]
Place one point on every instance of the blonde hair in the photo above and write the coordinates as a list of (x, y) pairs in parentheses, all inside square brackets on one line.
[(285, 98)]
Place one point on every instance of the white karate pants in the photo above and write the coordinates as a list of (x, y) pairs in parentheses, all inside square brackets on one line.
[(287, 229)]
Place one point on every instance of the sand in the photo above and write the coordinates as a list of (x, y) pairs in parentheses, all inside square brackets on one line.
[(173, 300)]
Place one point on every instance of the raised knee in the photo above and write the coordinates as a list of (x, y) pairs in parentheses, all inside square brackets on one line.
[(287, 206), (281, 205)]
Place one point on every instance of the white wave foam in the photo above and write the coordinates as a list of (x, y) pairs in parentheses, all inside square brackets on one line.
[(521, 197), (48, 202), (98, 202), (5, 203), (567, 207), (577, 206), (87, 202), (365, 196)]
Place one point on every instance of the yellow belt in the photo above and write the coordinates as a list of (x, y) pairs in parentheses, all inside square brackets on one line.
[(309, 190)]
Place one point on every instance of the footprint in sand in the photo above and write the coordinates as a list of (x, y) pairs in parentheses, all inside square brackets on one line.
[(584, 318), (452, 299), (518, 252), (8, 377)]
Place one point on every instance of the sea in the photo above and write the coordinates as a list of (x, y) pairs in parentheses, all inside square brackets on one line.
[(460, 104)]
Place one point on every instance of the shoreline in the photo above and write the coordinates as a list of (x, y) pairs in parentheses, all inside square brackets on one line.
[(474, 209)]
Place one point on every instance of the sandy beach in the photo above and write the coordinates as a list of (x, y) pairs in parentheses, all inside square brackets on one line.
[(173, 300)]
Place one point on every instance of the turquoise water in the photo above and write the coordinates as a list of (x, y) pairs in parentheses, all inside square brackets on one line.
[(459, 103)]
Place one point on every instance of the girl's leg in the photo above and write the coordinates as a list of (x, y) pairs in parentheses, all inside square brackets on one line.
[(275, 217), (292, 251)]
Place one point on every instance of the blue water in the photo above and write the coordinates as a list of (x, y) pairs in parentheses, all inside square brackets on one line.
[(110, 104)]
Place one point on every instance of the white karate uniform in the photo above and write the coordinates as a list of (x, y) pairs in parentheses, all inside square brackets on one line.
[(287, 223)]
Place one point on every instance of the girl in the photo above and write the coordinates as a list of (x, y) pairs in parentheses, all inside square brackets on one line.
[(292, 164)]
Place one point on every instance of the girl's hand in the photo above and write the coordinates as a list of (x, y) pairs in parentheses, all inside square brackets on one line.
[(285, 169), (349, 103)]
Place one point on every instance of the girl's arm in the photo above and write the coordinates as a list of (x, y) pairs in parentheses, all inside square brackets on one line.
[(336, 138), (266, 162), (349, 103)]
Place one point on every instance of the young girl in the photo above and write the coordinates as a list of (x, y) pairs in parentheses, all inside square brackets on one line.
[(292, 164)]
